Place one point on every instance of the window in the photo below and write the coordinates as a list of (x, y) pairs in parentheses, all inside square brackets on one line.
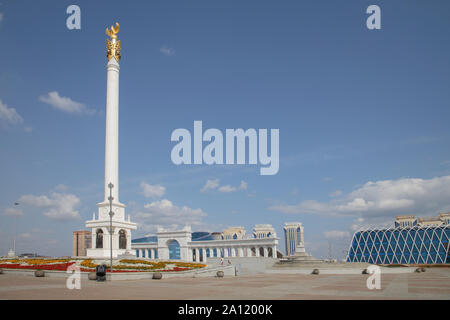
[(174, 249)]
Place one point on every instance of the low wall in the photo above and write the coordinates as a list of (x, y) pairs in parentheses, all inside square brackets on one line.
[(196, 273), (334, 268), (29, 272), (246, 265)]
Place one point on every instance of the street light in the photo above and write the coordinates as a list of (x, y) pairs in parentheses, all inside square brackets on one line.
[(15, 229), (111, 213)]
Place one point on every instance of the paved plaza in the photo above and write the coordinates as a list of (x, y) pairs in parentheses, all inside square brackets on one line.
[(432, 284)]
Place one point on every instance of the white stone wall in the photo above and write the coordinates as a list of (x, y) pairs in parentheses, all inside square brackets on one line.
[(241, 248)]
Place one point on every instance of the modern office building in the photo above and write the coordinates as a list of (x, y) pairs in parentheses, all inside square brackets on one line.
[(186, 245), (410, 241), (81, 241)]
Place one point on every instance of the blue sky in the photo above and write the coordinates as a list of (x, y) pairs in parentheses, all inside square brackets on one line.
[(363, 114)]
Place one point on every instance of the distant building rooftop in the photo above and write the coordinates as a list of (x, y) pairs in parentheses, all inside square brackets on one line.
[(411, 220), (196, 236)]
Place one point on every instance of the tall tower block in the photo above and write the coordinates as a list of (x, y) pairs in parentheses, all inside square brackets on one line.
[(100, 225), (293, 237)]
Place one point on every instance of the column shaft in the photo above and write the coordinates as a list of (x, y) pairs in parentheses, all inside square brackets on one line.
[(112, 129)]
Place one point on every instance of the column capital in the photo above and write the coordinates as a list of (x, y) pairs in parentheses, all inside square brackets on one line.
[(113, 65)]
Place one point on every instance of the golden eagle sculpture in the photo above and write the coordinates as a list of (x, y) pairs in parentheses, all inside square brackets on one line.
[(113, 46)]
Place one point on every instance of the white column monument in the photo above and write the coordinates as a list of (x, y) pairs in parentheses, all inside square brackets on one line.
[(121, 227)]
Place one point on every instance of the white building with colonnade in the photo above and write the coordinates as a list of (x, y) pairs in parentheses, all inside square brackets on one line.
[(189, 246)]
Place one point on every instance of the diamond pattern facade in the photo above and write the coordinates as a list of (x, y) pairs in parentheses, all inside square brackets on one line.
[(410, 245)]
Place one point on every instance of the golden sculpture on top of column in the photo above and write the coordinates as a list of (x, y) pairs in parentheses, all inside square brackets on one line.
[(113, 46)]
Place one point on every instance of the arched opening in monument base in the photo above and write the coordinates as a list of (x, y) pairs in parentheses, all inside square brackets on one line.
[(99, 239), (123, 240)]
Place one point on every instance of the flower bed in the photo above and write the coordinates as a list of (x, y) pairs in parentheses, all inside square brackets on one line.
[(190, 265), (88, 265), (56, 266)]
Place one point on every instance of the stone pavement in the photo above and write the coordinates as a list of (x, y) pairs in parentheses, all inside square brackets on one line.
[(432, 284)]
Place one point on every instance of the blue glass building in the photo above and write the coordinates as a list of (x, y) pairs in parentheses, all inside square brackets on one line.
[(410, 241)]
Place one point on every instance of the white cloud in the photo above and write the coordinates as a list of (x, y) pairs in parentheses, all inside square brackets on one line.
[(372, 222), (9, 116), (243, 185), (210, 185), (65, 104), (385, 198), (215, 185), (336, 234), (227, 189), (12, 212), (152, 191), (165, 214), (167, 51), (58, 206)]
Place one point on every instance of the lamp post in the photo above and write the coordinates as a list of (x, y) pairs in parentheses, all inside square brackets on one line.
[(15, 229), (111, 213), (329, 249)]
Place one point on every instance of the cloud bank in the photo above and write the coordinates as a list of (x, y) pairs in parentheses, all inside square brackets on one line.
[(164, 213), (58, 206), (385, 198), (152, 191)]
